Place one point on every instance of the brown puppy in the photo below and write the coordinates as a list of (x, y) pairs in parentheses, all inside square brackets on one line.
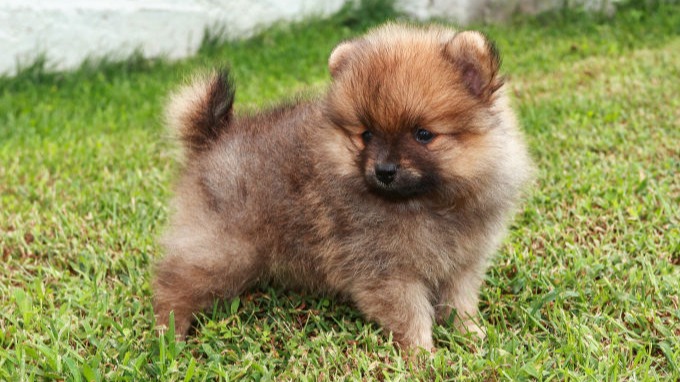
[(393, 190)]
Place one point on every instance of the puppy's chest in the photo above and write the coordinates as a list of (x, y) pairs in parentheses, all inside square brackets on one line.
[(332, 245), (383, 243)]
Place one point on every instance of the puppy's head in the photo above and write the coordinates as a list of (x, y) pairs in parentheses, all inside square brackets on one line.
[(421, 108)]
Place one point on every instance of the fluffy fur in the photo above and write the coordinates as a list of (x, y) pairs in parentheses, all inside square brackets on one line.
[(393, 190)]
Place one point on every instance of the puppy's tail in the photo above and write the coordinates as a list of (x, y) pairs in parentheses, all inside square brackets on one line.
[(199, 112)]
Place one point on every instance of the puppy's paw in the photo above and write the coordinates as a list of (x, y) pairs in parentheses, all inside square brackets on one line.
[(422, 343), (471, 327), (167, 323)]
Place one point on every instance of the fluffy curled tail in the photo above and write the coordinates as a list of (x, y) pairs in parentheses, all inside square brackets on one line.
[(199, 112)]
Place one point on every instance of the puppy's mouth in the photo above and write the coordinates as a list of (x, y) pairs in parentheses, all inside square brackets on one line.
[(400, 188)]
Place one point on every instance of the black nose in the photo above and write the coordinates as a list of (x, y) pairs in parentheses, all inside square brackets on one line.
[(386, 172)]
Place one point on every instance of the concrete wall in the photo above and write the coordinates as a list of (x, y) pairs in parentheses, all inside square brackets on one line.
[(67, 32), (467, 11)]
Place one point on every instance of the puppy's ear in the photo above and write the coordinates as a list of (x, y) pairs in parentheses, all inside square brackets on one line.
[(477, 61), (339, 57)]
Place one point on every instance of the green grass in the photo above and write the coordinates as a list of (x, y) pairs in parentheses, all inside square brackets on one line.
[(586, 286)]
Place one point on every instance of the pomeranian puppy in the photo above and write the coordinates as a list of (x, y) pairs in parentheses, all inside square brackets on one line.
[(392, 190)]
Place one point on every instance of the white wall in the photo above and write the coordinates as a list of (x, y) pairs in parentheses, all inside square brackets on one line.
[(68, 32)]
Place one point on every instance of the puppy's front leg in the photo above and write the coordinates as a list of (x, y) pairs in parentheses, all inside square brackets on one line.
[(400, 305), (462, 294)]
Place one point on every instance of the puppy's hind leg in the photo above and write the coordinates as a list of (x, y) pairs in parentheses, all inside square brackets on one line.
[(193, 275)]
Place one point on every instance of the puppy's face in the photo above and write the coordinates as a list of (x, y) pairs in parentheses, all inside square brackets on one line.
[(397, 165), (417, 107)]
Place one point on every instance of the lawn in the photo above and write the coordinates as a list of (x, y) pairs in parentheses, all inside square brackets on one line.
[(585, 287)]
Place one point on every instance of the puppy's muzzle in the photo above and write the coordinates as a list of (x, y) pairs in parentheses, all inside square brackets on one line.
[(386, 172)]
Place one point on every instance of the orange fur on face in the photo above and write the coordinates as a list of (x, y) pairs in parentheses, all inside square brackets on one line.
[(430, 79), (392, 191)]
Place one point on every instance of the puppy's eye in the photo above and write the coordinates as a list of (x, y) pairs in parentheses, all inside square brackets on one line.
[(366, 136), (424, 136)]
